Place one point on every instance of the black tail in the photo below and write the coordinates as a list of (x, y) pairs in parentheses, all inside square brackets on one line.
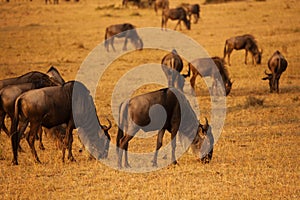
[(2, 118), (123, 112), (15, 138), (105, 37), (225, 50)]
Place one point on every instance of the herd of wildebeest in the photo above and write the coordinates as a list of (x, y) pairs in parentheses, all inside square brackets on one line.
[(49, 104)]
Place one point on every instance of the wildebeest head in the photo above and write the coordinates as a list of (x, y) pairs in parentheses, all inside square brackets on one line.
[(271, 83), (258, 56), (138, 43), (203, 142)]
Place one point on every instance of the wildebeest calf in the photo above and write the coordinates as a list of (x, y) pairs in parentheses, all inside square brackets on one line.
[(246, 42), (277, 64)]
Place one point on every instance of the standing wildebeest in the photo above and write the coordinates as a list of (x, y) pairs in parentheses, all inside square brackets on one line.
[(206, 68), (246, 42), (161, 4), (175, 14), (172, 66), (277, 65), (122, 30), (138, 113), (136, 2), (69, 104), (15, 87), (192, 9)]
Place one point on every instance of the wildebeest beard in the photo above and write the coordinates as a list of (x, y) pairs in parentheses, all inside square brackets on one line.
[(90, 132)]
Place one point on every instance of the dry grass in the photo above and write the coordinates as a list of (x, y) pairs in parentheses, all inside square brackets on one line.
[(257, 155)]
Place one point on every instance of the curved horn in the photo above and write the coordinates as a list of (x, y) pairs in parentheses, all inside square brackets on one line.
[(267, 73), (188, 73), (206, 125), (106, 128)]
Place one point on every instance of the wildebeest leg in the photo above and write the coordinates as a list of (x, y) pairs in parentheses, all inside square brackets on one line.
[(246, 54), (125, 44), (178, 23), (112, 43), (173, 144), (124, 147), (2, 123), (229, 51), (192, 81), (41, 145), (68, 140), (34, 128), (158, 146)]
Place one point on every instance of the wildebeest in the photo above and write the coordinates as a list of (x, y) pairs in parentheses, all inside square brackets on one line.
[(34, 80), (69, 104), (125, 30), (161, 4), (192, 10), (138, 113), (25, 78), (172, 66), (277, 64), (246, 42), (136, 2), (175, 14), (54, 1), (206, 68)]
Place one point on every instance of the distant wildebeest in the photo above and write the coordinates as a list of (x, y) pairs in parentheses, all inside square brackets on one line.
[(161, 4), (138, 113), (205, 67), (69, 104), (125, 30), (277, 64), (246, 42), (192, 10), (175, 14), (136, 2), (172, 66), (16, 86), (54, 1)]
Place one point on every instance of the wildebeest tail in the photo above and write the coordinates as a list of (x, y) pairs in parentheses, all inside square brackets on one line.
[(105, 37), (225, 50), (2, 113), (123, 113)]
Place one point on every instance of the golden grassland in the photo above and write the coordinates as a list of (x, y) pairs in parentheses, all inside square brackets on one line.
[(257, 155)]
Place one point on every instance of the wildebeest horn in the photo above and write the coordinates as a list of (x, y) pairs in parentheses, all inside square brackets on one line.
[(206, 125), (267, 73), (189, 72), (106, 128)]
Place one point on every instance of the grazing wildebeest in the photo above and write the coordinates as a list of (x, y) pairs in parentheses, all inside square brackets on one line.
[(122, 30), (15, 87), (277, 64), (54, 1), (192, 10), (172, 65), (246, 42), (136, 2), (69, 104), (161, 4), (137, 114), (175, 14), (206, 68)]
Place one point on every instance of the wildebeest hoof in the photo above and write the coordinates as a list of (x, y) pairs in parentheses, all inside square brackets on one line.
[(127, 165), (14, 162), (72, 159), (175, 162), (42, 148)]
